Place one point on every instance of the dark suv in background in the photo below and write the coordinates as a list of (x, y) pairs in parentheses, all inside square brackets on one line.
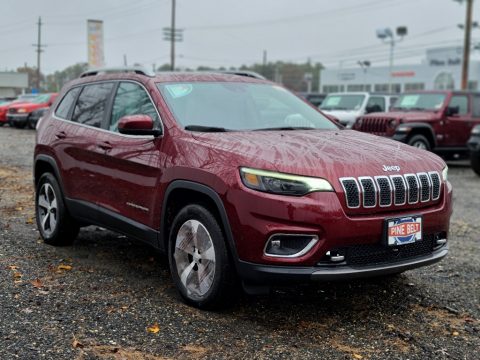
[(440, 121), (237, 180)]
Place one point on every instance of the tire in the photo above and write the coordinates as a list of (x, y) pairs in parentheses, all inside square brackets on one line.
[(31, 124), (203, 248), (475, 162), (1, 124), (54, 223), (19, 125), (420, 142)]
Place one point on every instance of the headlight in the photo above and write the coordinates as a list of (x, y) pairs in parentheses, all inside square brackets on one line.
[(476, 130), (445, 173), (281, 183), (22, 111)]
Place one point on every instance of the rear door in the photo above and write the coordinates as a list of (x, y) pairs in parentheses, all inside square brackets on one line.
[(86, 175), (130, 165), (458, 127)]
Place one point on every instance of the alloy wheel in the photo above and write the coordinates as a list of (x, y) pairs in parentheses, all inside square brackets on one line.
[(194, 256), (47, 209)]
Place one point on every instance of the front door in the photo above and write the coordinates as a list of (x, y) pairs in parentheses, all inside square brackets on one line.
[(457, 127)]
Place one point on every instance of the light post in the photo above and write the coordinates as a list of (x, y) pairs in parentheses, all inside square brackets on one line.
[(365, 64), (387, 36)]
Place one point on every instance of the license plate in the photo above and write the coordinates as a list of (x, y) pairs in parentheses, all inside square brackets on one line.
[(405, 230)]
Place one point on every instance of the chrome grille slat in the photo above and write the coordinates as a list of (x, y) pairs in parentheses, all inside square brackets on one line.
[(384, 190), (394, 190)]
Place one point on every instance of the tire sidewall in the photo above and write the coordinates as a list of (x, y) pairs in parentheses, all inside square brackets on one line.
[(419, 138), (199, 213), (52, 181), (475, 162)]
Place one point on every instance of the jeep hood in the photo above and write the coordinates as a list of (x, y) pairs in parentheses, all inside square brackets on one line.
[(328, 154)]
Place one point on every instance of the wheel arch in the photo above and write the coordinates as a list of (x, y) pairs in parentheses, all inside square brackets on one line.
[(422, 129), (45, 163), (182, 192)]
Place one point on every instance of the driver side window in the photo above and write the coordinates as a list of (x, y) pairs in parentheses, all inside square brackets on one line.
[(131, 99), (460, 102)]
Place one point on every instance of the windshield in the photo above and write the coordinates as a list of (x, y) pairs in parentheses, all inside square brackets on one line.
[(223, 106), (27, 97), (420, 102), (41, 99), (343, 102)]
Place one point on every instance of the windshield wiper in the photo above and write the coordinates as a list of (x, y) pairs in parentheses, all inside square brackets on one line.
[(286, 128), (202, 128)]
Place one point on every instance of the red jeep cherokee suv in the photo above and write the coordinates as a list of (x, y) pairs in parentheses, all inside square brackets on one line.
[(237, 179)]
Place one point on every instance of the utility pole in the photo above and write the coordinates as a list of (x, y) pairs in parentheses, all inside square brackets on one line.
[(125, 63), (39, 50), (466, 45), (172, 39), (264, 67)]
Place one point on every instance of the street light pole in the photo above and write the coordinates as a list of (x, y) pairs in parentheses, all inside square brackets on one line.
[(172, 40), (390, 68), (387, 33), (466, 45)]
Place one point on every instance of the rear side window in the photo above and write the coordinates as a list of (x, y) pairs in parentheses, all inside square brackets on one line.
[(92, 104), (63, 109), (131, 99), (460, 101)]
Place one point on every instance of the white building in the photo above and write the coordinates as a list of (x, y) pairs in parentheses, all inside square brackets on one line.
[(441, 69), (12, 83)]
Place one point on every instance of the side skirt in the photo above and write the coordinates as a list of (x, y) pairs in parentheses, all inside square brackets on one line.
[(93, 214)]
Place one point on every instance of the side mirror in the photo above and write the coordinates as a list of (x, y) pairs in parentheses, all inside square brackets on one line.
[(137, 125), (452, 110)]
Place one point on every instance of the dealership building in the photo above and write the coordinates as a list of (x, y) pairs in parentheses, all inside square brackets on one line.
[(12, 83), (441, 69)]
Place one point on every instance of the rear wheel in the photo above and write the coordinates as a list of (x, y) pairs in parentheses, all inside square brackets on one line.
[(53, 220), (420, 142), (19, 125), (475, 161), (198, 257)]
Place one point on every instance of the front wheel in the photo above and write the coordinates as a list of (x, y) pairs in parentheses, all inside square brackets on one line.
[(475, 162), (53, 220), (198, 257), (420, 142)]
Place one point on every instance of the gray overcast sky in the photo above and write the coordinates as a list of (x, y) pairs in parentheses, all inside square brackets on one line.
[(228, 32)]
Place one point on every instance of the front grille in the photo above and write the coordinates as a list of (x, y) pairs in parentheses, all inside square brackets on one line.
[(377, 254), (375, 125), (395, 190), (12, 111)]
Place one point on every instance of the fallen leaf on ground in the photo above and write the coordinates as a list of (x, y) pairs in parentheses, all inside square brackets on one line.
[(76, 343), (29, 221), (13, 267), (64, 267), (455, 333), (195, 349), (358, 356), (17, 275), (36, 283), (153, 329)]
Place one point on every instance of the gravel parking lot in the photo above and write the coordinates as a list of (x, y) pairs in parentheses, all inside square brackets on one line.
[(110, 297)]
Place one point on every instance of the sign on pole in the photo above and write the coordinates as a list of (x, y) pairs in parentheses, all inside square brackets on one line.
[(95, 43)]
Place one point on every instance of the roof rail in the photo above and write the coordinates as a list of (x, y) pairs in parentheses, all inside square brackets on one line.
[(135, 70), (246, 73)]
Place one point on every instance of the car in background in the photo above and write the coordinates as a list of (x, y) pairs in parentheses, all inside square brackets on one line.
[(18, 114), (35, 117), (315, 99), (7, 102), (347, 107), (474, 147), (440, 121)]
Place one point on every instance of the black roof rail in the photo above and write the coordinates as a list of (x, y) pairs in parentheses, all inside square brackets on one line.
[(135, 70), (246, 73)]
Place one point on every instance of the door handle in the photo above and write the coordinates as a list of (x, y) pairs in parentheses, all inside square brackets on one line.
[(61, 135), (105, 146)]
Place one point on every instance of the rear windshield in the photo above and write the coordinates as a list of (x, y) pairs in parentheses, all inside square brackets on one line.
[(420, 102), (343, 102), (240, 106)]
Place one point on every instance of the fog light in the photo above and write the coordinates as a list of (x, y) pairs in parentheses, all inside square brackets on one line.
[(334, 256), (289, 245)]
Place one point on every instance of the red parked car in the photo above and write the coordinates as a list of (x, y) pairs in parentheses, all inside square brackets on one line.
[(18, 114), (235, 178), (5, 105)]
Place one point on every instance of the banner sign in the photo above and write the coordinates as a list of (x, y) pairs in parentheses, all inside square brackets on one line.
[(95, 43)]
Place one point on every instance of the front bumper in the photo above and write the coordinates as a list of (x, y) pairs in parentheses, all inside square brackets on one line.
[(17, 118), (270, 274)]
